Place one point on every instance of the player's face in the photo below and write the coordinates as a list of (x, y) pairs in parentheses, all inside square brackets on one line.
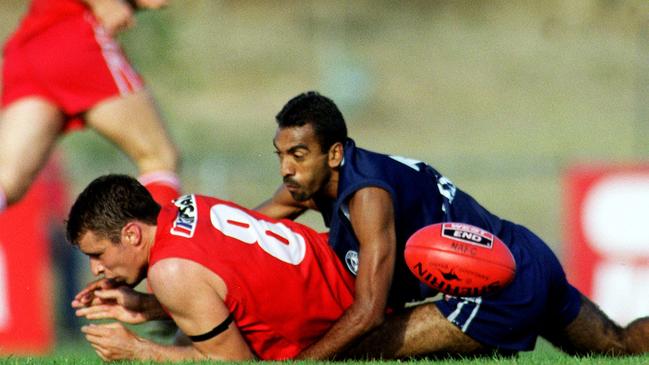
[(120, 262), (302, 164)]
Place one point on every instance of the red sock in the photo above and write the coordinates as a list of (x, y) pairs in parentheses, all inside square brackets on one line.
[(164, 186)]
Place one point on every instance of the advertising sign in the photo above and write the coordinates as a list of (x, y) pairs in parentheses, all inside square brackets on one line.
[(607, 237), (26, 298)]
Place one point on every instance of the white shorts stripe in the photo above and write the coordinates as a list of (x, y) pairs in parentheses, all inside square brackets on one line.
[(458, 310), (124, 75), (475, 310)]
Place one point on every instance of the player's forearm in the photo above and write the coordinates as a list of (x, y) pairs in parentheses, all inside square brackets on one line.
[(355, 323), (151, 308), (277, 211), (151, 351)]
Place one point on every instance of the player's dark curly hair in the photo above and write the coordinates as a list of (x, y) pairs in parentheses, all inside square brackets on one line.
[(318, 110), (107, 204)]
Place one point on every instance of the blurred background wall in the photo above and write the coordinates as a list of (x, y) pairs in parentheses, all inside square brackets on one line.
[(502, 97)]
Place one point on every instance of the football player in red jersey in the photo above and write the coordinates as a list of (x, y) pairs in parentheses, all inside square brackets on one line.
[(63, 69), (239, 284)]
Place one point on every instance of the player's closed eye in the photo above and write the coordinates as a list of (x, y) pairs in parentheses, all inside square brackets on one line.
[(299, 156)]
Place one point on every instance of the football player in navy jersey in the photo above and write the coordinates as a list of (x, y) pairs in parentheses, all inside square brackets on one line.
[(372, 203)]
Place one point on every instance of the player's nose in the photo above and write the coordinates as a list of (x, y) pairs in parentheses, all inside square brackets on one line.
[(96, 267), (286, 168)]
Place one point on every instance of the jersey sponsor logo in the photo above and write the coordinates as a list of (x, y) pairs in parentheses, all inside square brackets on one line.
[(468, 234), (351, 260), (187, 217)]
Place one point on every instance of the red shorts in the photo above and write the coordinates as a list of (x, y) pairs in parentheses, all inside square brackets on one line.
[(73, 63)]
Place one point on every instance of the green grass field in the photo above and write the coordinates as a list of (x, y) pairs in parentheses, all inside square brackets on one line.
[(80, 353)]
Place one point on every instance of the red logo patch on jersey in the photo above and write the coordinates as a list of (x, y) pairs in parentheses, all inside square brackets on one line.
[(185, 223)]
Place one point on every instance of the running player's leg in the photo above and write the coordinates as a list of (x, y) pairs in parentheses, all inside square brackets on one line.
[(29, 128), (133, 123), (593, 332), (422, 331)]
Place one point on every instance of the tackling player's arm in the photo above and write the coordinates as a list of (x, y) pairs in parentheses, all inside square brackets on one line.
[(282, 205), (372, 217)]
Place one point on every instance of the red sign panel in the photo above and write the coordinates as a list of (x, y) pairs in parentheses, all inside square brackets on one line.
[(26, 297), (607, 237)]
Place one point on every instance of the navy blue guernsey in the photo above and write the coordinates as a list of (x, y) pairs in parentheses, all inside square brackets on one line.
[(421, 196), (538, 300)]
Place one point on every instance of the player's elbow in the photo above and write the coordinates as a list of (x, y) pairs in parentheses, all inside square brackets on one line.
[(366, 317)]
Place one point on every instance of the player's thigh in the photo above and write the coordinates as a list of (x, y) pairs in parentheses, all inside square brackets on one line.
[(591, 332), (29, 128), (134, 124), (421, 331)]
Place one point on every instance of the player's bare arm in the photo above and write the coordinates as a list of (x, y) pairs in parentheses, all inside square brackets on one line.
[(201, 315), (114, 15), (372, 216), (282, 205)]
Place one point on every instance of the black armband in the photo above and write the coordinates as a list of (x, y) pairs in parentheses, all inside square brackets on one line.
[(214, 332)]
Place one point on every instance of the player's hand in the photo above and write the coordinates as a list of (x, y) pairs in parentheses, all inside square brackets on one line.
[(86, 297), (114, 15), (123, 304), (151, 4), (113, 341), (107, 299)]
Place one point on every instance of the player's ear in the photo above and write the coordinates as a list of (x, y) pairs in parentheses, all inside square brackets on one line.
[(131, 233), (335, 155)]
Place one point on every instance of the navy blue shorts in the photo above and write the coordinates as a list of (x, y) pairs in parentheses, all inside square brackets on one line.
[(539, 300)]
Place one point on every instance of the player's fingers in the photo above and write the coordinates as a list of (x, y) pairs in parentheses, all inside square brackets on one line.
[(94, 341), (114, 294), (97, 312), (100, 352), (77, 304), (95, 330), (89, 330), (126, 21), (83, 297), (86, 294), (109, 327)]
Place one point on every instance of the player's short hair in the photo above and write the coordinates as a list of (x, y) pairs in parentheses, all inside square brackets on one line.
[(318, 110), (107, 204)]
